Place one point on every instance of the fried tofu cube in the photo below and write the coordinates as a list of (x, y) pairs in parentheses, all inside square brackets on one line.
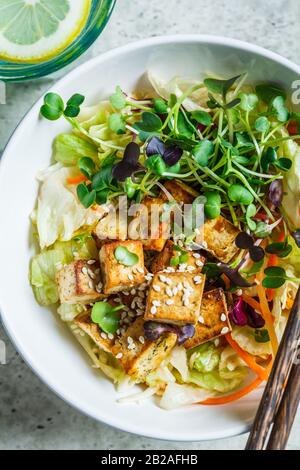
[(84, 322), (111, 227), (139, 356), (162, 261), (156, 231), (180, 192), (213, 320), (79, 282), (219, 239), (175, 298), (116, 276)]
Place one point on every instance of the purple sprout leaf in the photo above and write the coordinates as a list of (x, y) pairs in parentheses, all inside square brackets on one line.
[(234, 275), (154, 330), (184, 333), (276, 192), (172, 155), (155, 147), (255, 320), (129, 164), (257, 254), (244, 241)]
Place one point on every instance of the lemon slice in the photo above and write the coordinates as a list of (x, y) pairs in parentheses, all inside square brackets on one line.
[(36, 30)]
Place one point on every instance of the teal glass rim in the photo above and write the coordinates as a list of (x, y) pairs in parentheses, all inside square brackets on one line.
[(99, 15)]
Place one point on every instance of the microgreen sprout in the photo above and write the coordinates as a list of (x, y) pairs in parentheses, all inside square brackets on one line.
[(106, 316)]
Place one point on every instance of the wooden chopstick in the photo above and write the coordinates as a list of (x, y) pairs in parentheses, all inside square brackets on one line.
[(285, 416), (274, 406)]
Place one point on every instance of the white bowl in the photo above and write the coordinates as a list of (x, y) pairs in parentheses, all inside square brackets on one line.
[(43, 341)]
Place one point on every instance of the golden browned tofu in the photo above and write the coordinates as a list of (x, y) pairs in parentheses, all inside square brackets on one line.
[(139, 356), (162, 261), (111, 227), (157, 231), (79, 282), (116, 276), (100, 338), (219, 239), (213, 320), (175, 298), (180, 192)]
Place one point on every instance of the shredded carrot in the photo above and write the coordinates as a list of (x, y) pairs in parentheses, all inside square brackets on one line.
[(252, 302), (265, 310), (234, 396), (77, 179), (248, 359)]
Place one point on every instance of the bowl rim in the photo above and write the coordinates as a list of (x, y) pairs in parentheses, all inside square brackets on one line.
[(112, 421)]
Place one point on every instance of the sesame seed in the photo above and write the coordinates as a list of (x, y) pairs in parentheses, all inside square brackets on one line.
[(156, 303), (117, 300), (84, 270), (217, 342), (162, 278), (91, 285), (119, 356), (223, 317), (175, 291), (169, 292), (197, 280), (225, 330), (103, 335), (91, 274), (140, 270), (141, 294), (97, 271), (199, 263), (130, 277), (186, 285), (179, 286), (110, 336), (153, 310), (196, 255), (201, 320), (125, 292), (142, 339), (156, 288), (140, 312), (131, 314), (129, 339), (170, 302), (169, 281), (239, 292), (133, 292), (91, 261), (149, 276)]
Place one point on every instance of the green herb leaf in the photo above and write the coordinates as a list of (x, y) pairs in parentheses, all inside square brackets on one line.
[(275, 271), (103, 177), (281, 249), (243, 140), (281, 111), (255, 268), (270, 156), (150, 125), (53, 107), (87, 167), (262, 124), (284, 164), (117, 124), (73, 105), (106, 316), (184, 126), (156, 164), (251, 212), (249, 101), (102, 196), (160, 106), (273, 282), (238, 193), (130, 188), (212, 207), (268, 91), (86, 197), (261, 336), (202, 117), (125, 257), (118, 100), (233, 103), (220, 86), (203, 151)]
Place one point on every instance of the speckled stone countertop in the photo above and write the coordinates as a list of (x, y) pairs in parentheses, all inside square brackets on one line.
[(31, 416)]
